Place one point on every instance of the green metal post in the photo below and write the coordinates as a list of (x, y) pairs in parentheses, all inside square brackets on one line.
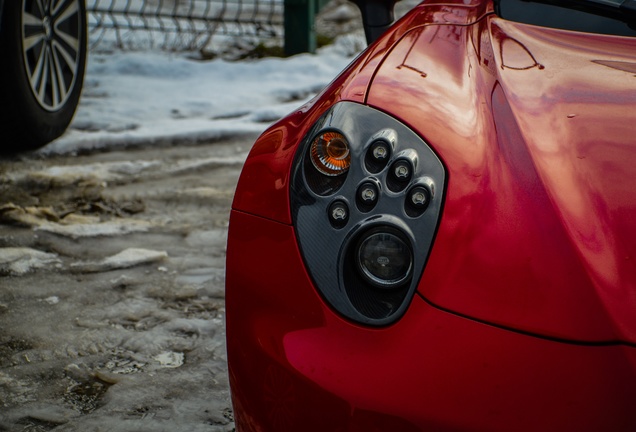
[(300, 30)]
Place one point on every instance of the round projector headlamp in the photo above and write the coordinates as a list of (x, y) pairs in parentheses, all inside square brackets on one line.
[(384, 258)]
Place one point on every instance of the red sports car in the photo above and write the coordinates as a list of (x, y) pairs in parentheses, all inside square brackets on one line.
[(445, 238)]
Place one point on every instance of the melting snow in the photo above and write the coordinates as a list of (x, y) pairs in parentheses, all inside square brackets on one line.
[(53, 300), (132, 98), (109, 228), (170, 359), (18, 260), (127, 258)]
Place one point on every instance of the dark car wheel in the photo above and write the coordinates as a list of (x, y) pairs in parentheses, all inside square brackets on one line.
[(43, 56)]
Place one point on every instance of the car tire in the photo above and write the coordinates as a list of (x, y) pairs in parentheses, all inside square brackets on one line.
[(43, 56)]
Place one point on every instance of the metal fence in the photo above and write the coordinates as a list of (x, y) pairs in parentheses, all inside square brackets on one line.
[(182, 24)]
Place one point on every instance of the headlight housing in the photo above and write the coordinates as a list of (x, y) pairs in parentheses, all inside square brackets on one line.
[(384, 258), (365, 199)]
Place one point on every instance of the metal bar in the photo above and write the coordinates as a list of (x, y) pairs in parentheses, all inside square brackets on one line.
[(193, 22), (300, 34)]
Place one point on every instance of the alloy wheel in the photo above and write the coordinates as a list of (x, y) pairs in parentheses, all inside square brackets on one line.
[(51, 47)]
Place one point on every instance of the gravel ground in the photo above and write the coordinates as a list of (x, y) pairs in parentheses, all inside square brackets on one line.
[(112, 289)]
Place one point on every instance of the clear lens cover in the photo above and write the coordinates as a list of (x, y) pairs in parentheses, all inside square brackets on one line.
[(385, 259)]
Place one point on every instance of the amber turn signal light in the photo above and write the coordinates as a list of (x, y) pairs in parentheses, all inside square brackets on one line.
[(330, 153)]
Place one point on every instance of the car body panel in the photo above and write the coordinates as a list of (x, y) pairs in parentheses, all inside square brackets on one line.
[(264, 189), (536, 133), (296, 365), (524, 316)]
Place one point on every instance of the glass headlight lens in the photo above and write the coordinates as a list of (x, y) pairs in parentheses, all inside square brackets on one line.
[(330, 153), (384, 259)]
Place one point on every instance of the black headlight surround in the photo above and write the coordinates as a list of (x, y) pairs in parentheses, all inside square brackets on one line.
[(329, 242)]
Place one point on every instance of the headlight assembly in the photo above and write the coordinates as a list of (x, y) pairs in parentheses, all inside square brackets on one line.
[(365, 198)]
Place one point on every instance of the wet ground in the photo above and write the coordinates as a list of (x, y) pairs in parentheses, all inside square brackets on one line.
[(112, 289)]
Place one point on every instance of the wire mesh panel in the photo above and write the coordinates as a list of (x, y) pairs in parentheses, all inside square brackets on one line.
[(187, 24)]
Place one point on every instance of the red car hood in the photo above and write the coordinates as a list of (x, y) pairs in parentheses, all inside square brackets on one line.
[(537, 129)]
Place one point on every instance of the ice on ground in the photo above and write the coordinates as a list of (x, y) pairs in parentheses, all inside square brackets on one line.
[(46, 413), (127, 258), (52, 300), (27, 216), (169, 359), (207, 238), (108, 228), (106, 173), (211, 162), (62, 175), (21, 260), (71, 225)]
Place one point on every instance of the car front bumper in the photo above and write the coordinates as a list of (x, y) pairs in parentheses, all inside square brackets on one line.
[(296, 365)]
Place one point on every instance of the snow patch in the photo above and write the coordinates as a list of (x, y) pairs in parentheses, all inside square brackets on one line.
[(170, 359), (127, 258), (72, 225), (53, 300), (139, 98), (71, 174), (21, 260), (108, 228)]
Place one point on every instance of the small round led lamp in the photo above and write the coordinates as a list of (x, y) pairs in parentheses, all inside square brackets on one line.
[(369, 193), (378, 155), (330, 153), (417, 200), (402, 170), (384, 258), (338, 214), (380, 150), (367, 196), (419, 197), (400, 174)]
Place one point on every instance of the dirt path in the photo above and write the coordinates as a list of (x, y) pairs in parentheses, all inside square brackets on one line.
[(111, 289)]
